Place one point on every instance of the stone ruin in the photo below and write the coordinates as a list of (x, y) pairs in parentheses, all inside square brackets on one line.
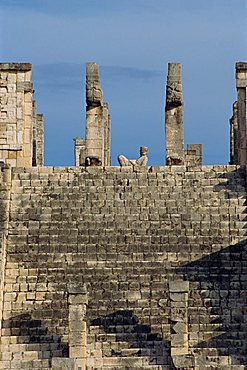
[(128, 267), (95, 149), (22, 129)]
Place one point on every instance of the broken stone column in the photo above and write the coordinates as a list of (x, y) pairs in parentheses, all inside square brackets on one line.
[(77, 324), (80, 151), (107, 124), (38, 138), (241, 84), (174, 116), (193, 155), (234, 135), (97, 118)]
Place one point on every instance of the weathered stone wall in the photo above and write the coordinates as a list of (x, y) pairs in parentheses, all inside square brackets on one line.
[(161, 252), (18, 115)]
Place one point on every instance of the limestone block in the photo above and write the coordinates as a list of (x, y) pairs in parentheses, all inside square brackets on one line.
[(179, 286), (27, 136), (179, 340), (28, 97), (11, 88), (28, 75), (19, 137), (12, 154), (27, 151), (64, 364), (20, 77), (76, 317), (28, 108), (94, 95), (183, 362), (19, 99), (79, 288), (25, 86), (11, 77), (3, 91), (28, 122), (19, 113)]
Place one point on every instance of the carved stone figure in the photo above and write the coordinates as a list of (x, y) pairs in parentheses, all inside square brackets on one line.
[(92, 162), (141, 161)]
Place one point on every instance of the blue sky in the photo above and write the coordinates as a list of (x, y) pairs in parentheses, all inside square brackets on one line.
[(132, 41)]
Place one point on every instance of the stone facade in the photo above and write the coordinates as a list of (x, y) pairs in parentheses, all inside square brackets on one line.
[(117, 268), (19, 122)]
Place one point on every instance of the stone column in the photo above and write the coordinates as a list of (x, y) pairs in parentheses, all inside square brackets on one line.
[(97, 118), (234, 135), (94, 122), (241, 84), (79, 151), (174, 116), (77, 324), (40, 140), (107, 120)]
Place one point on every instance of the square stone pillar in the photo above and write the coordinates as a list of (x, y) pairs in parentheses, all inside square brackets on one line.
[(79, 151), (97, 118), (174, 116), (234, 155), (241, 84), (77, 324), (179, 292)]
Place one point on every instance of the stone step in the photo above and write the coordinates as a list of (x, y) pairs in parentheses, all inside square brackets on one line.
[(129, 352), (129, 337), (25, 339), (127, 361), (27, 365), (134, 367)]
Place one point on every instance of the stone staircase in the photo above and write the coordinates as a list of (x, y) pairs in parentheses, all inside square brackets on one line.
[(120, 341), (25, 344), (124, 235)]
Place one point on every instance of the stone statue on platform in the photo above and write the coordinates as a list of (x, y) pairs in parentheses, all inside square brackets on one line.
[(141, 161)]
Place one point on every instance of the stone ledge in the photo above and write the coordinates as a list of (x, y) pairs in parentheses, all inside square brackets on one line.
[(26, 86), (241, 66), (19, 67), (116, 169)]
